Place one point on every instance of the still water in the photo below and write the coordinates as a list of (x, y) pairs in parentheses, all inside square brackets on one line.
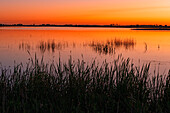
[(85, 43)]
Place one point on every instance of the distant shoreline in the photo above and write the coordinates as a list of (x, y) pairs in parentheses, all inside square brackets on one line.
[(152, 29), (134, 27)]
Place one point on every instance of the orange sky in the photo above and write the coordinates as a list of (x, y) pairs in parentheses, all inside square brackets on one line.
[(85, 11)]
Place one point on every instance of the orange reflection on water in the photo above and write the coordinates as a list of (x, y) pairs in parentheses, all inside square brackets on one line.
[(100, 43)]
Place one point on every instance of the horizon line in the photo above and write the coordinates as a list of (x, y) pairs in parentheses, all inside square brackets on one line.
[(90, 24)]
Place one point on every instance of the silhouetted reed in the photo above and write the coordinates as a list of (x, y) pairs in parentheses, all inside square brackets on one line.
[(110, 46), (127, 44), (24, 46), (83, 88), (51, 46)]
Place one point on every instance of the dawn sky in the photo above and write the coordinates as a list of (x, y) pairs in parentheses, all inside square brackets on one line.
[(122, 12)]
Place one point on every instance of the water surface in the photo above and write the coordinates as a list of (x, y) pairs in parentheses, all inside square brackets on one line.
[(85, 43)]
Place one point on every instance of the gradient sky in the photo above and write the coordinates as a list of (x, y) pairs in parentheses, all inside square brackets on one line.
[(122, 12)]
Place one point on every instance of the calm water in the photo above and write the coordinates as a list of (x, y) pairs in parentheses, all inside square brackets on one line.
[(85, 43)]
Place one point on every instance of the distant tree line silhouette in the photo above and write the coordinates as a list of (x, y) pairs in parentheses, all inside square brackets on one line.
[(71, 25)]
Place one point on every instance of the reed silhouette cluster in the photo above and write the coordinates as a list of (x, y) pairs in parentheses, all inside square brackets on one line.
[(51, 46), (83, 88), (25, 46), (110, 46)]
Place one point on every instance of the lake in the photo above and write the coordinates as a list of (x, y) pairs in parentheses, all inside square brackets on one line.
[(85, 43)]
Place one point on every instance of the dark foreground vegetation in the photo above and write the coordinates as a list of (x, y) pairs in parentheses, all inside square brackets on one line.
[(77, 87)]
